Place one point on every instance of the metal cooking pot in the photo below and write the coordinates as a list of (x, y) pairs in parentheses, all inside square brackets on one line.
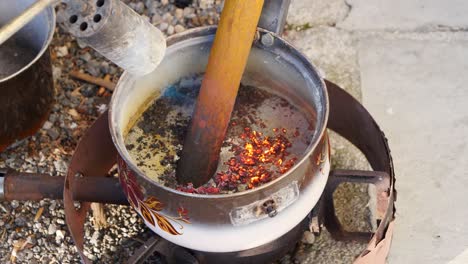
[(26, 85), (226, 223)]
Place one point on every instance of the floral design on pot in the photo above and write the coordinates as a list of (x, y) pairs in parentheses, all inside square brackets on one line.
[(149, 207)]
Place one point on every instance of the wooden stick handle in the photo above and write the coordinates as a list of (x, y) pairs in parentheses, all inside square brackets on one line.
[(226, 64)]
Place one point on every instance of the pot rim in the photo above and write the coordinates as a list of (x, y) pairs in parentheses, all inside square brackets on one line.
[(199, 32), (51, 17)]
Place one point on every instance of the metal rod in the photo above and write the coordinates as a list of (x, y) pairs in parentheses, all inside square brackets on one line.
[(24, 18), (35, 187), (274, 14)]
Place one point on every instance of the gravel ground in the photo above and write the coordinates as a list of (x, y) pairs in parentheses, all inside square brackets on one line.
[(36, 231)]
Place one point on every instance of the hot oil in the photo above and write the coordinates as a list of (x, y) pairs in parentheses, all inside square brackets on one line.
[(266, 137)]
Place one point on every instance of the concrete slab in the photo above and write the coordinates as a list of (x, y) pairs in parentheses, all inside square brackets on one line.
[(417, 92), (334, 52), (406, 15), (317, 12)]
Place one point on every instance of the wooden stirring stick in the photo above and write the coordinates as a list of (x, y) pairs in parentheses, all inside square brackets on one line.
[(226, 64)]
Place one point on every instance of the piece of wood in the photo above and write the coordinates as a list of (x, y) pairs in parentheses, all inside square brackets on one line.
[(38, 214), (93, 80), (99, 216), (226, 64)]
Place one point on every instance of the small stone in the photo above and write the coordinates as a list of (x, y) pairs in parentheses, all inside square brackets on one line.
[(152, 6), (60, 166), (94, 238), (86, 57), (92, 67), (74, 114), (20, 221), (205, 4), (52, 206), (56, 72), (59, 234), (156, 19), (179, 13), (195, 21), (308, 238), (47, 125), (164, 2), (53, 118), (167, 17), (31, 240), (29, 254), (104, 67), (38, 225), (188, 12), (14, 204), (62, 51), (52, 229), (88, 90), (139, 7), (163, 26), (53, 133), (60, 221), (170, 30), (179, 28)]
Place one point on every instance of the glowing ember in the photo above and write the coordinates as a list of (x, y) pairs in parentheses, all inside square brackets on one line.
[(260, 160)]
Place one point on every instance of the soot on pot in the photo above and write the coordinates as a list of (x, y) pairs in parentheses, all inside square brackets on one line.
[(267, 135)]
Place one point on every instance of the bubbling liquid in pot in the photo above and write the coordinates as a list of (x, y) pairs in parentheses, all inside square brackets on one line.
[(267, 135)]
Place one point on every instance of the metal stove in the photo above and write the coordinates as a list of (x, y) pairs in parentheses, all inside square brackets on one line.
[(96, 154)]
